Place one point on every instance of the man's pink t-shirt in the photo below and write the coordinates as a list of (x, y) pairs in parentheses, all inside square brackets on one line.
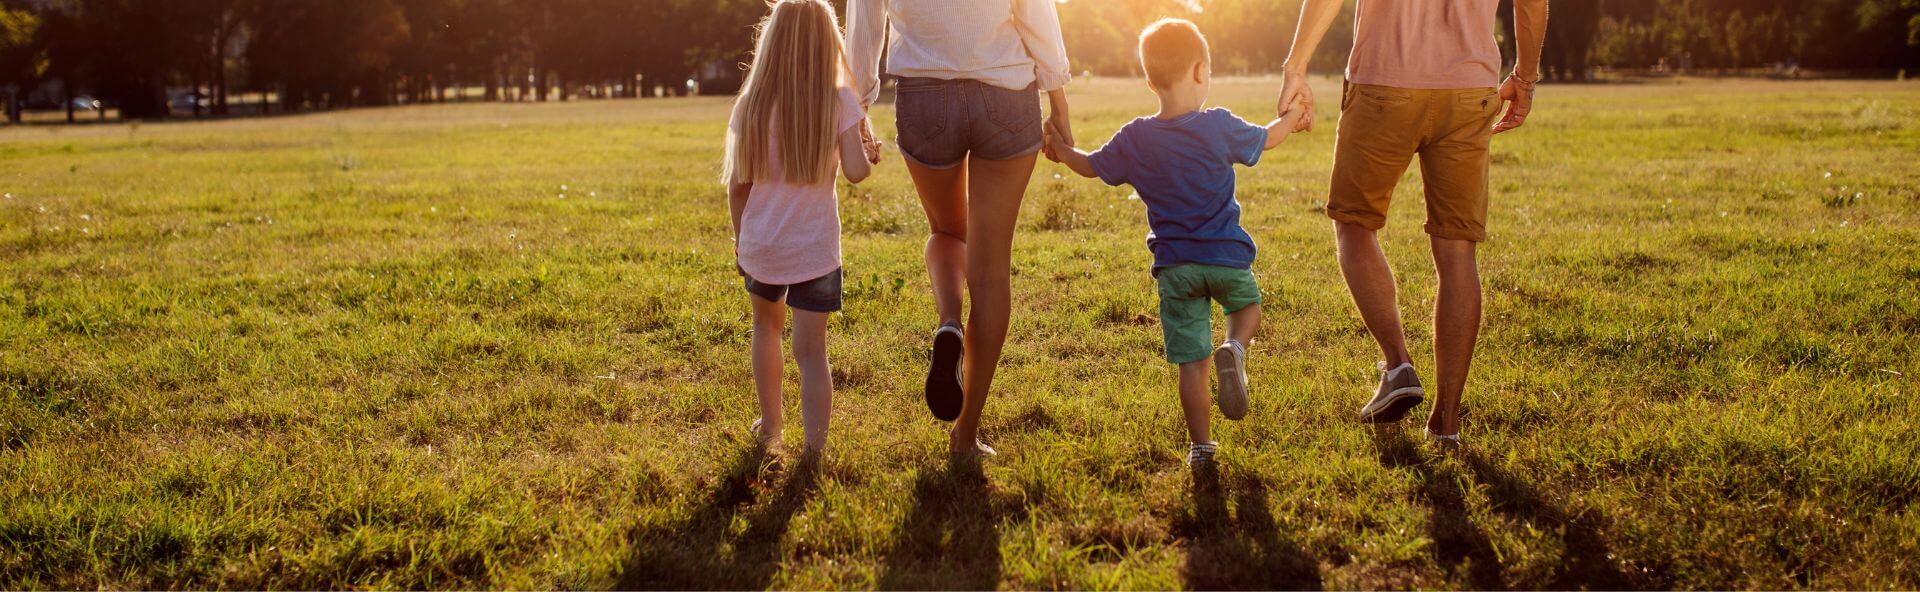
[(791, 233), (1425, 44)]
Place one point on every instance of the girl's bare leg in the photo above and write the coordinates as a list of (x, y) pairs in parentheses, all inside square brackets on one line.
[(816, 377), (769, 368)]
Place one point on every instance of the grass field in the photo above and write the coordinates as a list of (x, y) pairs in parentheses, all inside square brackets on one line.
[(503, 346)]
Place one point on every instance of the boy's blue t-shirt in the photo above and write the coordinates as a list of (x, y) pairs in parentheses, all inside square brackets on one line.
[(1183, 171)]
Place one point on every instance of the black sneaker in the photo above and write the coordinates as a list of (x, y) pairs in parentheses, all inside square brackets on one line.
[(944, 394)]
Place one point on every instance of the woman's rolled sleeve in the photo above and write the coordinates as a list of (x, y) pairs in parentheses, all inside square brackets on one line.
[(866, 39), (1039, 24)]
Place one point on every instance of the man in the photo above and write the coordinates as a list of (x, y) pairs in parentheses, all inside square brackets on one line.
[(1421, 81)]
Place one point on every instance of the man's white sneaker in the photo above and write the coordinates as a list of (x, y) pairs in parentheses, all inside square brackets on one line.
[(1444, 442), (1230, 372)]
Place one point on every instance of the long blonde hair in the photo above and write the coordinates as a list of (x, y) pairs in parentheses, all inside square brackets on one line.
[(792, 90)]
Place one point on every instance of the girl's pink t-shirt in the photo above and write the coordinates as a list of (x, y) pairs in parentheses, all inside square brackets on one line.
[(790, 233), (1428, 44)]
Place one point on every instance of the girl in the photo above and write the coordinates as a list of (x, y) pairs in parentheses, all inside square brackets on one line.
[(792, 126)]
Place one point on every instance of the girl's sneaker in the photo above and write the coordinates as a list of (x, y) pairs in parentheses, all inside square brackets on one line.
[(1201, 454), (1230, 370), (760, 436), (944, 394)]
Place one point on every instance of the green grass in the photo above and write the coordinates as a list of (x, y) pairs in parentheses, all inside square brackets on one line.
[(503, 346)]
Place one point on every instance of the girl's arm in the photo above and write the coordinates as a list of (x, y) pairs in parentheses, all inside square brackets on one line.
[(853, 155), (736, 203)]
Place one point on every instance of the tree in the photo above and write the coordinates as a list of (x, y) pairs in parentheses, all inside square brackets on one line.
[(21, 59), (334, 53)]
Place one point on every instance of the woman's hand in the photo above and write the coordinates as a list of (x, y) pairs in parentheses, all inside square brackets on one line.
[(1060, 121)]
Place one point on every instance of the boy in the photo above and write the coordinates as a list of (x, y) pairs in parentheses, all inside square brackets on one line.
[(1181, 161)]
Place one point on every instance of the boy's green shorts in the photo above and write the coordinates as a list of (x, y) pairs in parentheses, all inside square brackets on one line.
[(1186, 314)]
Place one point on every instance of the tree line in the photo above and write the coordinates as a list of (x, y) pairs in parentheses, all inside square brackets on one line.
[(321, 54)]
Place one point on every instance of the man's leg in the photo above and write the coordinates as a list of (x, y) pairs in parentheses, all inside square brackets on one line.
[(1371, 282), (1456, 327)]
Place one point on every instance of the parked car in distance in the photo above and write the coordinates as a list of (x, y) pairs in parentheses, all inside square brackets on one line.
[(187, 101)]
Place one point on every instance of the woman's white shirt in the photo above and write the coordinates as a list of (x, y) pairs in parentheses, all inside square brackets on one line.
[(1006, 43)]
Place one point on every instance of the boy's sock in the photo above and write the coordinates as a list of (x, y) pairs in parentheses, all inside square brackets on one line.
[(1201, 453)]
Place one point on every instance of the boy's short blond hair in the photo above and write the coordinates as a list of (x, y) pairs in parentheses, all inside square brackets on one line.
[(1169, 49)]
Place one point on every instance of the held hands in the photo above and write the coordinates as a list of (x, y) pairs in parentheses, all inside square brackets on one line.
[(1296, 97), (1517, 93), (1056, 143), (868, 143)]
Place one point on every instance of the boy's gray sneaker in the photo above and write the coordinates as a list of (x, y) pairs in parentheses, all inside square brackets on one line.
[(1201, 453), (1230, 369), (1399, 392)]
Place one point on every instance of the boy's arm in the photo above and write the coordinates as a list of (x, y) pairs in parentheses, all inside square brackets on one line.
[(1060, 150), (1076, 160), (1278, 131)]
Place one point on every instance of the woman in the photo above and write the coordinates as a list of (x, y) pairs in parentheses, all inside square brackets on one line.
[(970, 129)]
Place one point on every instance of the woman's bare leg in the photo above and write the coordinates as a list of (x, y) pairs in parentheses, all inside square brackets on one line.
[(943, 194), (997, 188)]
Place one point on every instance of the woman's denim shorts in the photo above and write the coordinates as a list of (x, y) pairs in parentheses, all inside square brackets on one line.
[(941, 122)]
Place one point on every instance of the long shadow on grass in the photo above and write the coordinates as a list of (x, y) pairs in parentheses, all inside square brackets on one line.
[(1585, 553), (950, 539), (1457, 542), (1242, 549), (698, 553)]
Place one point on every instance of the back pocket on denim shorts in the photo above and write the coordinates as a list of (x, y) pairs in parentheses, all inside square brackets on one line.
[(1013, 110), (921, 112)]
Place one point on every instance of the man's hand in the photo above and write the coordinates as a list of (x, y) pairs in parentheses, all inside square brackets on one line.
[(868, 143), (1296, 95), (1517, 93)]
